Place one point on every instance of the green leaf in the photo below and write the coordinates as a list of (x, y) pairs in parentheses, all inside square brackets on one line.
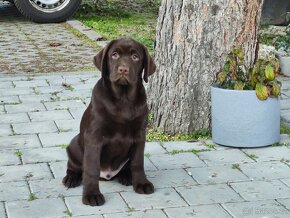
[(269, 72), (276, 89), (261, 91), (239, 85), (222, 77), (239, 53)]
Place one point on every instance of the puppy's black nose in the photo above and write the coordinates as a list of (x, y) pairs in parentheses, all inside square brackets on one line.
[(123, 70)]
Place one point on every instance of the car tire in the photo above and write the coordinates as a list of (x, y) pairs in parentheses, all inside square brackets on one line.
[(52, 11)]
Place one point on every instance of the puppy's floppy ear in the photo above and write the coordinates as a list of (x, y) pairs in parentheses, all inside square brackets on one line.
[(149, 65), (100, 60)]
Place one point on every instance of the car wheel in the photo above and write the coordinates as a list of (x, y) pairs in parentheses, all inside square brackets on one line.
[(44, 11)]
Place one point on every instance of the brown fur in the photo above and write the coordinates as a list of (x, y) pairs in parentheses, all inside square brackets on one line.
[(113, 126)]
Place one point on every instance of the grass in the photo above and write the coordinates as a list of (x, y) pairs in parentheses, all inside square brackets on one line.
[(131, 209), (67, 86), (195, 151), (32, 197), (64, 130), (147, 155), (236, 166), (156, 135), (18, 153), (113, 21), (284, 129), (253, 156), (83, 38), (67, 212), (63, 146)]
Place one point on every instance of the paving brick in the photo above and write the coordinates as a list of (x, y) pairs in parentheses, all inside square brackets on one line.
[(35, 127), (217, 147), (49, 89), (2, 211), (30, 84), (285, 104), (87, 101), (14, 191), (76, 95), (285, 138), (14, 118), (184, 145), (77, 113), (114, 204), (209, 194), (56, 139), (2, 110), (201, 211), (68, 125), (35, 98), (9, 100), (181, 160), (14, 91), (148, 165), (216, 174), (40, 155), (262, 190), (25, 107), (58, 168), (9, 158), (256, 209), (19, 142), (153, 148), (6, 84), (44, 208), (287, 182), (170, 178), (270, 153), (23, 172), (266, 170), (285, 115), (53, 188), (213, 158), (50, 115), (286, 203), (138, 214), (90, 216), (161, 198), (5, 130), (71, 104)]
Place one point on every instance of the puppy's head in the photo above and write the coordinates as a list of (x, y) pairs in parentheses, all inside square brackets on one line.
[(122, 61)]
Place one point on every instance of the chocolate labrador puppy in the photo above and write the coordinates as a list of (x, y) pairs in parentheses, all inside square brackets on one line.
[(112, 130)]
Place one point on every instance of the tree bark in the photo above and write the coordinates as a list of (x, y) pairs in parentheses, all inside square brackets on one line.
[(192, 42)]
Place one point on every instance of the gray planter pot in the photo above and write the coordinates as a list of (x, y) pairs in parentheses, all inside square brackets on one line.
[(284, 64), (240, 119)]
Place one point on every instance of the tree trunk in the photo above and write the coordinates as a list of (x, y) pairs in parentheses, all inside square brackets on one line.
[(192, 43)]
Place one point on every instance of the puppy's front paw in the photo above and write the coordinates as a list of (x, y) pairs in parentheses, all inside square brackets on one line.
[(94, 199), (72, 180), (144, 187)]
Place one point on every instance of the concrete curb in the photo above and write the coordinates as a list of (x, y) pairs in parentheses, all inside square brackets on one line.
[(87, 31)]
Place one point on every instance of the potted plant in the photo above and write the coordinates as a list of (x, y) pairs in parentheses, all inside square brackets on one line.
[(283, 53), (245, 103)]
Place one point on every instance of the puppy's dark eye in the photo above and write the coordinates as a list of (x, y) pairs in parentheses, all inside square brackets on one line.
[(115, 55), (135, 57)]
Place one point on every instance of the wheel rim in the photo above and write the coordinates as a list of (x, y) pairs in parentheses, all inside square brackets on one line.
[(49, 6)]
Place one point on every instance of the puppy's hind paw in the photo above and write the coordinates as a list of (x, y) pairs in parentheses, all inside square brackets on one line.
[(72, 180), (125, 177), (94, 199)]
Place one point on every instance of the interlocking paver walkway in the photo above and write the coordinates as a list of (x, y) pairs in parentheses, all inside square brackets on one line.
[(33, 136), (40, 114), (30, 48)]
